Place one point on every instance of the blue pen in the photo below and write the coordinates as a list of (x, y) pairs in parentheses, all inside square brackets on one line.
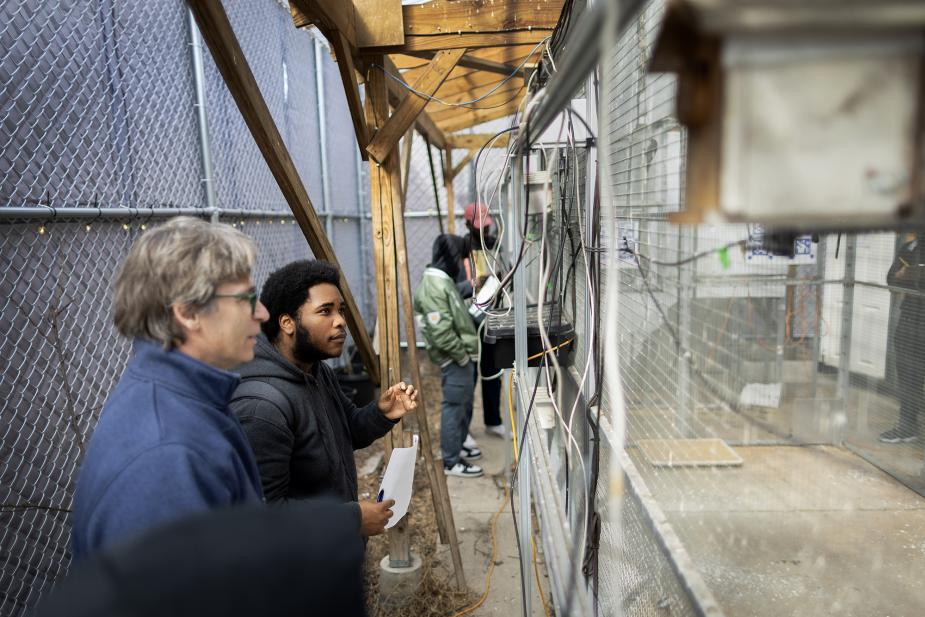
[(380, 496)]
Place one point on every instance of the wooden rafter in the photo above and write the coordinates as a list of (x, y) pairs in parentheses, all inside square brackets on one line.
[(477, 116), (413, 104), (503, 95), (474, 62), (232, 64), (328, 15), (423, 122), (449, 24), (475, 83), (476, 140), (343, 53)]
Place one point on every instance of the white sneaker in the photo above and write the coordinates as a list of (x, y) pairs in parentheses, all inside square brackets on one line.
[(470, 442), (473, 454), (463, 470), (497, 431)]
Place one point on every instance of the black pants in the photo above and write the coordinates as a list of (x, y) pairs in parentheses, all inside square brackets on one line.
[(491, 388), (909, 343)]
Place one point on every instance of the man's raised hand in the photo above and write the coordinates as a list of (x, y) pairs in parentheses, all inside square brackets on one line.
[(398, 400)]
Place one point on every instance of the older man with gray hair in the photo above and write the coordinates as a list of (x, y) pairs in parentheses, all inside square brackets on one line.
[(166, 444)]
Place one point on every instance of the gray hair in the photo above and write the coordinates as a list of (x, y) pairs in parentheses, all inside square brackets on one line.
[(182, 261)]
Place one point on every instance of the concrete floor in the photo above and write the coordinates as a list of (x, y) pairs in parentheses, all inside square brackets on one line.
[(802, 531), (475, 501)]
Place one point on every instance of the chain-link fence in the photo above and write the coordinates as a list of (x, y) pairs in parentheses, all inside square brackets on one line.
[(772, 401), (100, 138)]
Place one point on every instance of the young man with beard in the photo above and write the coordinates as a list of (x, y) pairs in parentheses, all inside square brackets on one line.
[(302, 427)]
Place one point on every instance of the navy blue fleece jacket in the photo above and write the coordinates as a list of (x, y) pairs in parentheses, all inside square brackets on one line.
[(166, 446)]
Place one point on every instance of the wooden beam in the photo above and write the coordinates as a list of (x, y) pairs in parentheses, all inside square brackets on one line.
[(450, 24), (446, 527), (406, 145), (440, 16), (474, 62), (387, 136), (477, 140), (450, 195), (488, 90), (499, 98), (423, 122), (232, 64), (378, 22), (462, 164), (476, 117), (327, 15), (344, 54), (473, 40), (473, 83)]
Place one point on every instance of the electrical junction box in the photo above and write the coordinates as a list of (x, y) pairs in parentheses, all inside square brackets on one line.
[(800, 113), (499, 333)]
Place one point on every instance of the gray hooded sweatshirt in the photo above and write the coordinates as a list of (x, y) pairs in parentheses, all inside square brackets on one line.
[(302, 427)]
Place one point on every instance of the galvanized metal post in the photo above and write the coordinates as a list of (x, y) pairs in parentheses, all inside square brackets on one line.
[(323, 140), (199, 82), (518, 208), (687, 245), (847, 319), (817, 328)]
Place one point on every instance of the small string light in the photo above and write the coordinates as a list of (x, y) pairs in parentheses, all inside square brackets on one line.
[(126, 226), (87, 227), (282, 222), (41, 230), (144, 226)]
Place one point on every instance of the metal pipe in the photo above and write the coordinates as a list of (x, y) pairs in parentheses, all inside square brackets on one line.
[(199, 81), (578, 60), (522, 375), (847, 319), (323, 140), (50, 214)]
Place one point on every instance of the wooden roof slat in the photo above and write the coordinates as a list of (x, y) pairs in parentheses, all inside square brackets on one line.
[(509, 89), (474, 62), (477, 116), (413, 104), (476, 140), (441, 16), (423, 122), (472, 40)]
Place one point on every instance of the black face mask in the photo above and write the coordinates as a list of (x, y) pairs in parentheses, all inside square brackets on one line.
[(305, 350)]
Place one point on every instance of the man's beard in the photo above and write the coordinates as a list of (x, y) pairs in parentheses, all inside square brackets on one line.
[(304, 349)]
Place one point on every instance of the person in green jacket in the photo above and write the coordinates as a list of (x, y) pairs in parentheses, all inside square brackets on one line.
[(452, 343)]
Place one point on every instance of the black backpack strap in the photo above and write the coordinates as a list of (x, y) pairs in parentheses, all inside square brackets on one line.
[(253, 388)]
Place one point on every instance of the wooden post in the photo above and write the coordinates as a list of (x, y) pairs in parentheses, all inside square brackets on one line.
[(433, 465), (383, 179), (448, 184), (232, 64)]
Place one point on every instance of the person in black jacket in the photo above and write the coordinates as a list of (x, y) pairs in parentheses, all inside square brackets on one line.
[(475, 270), (304, 558), (908, 273), (301, 426)]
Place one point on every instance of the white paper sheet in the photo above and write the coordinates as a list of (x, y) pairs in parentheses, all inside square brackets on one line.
[(397, 481)]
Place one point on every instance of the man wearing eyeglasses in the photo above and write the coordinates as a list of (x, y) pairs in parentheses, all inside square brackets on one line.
[(166, 444)]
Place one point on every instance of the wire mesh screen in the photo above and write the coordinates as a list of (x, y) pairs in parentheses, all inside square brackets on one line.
[(772, 401), (98, 135)]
